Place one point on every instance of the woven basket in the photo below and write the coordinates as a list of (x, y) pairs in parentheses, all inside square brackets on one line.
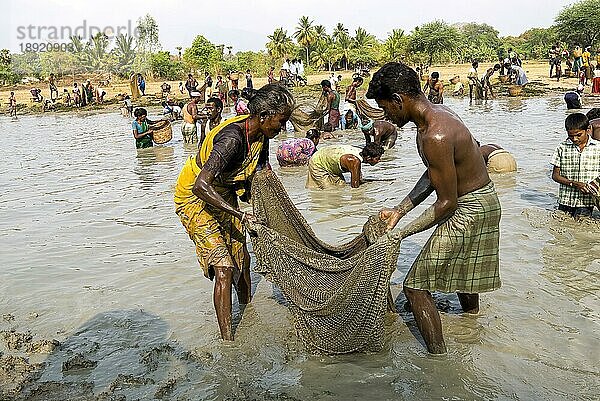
[(163, 135), (515, 90), (503, 78)]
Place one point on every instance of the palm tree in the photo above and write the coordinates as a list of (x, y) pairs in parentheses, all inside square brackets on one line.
[(395, 44), (125, 52), (339, 32), (280, 43), (305, 34), (343, 47), (362, 45)]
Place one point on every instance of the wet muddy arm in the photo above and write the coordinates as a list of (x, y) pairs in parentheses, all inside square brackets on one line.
[(418, 194), (204, 190)]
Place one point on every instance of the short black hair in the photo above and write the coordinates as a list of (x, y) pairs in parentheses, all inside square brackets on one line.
[(326, 83), (234, 92), (372, 150), (140, 112), (435, 75), (358, 79), (313, 133), (394, 77), (593, 113), (577, 121), (216, 101)]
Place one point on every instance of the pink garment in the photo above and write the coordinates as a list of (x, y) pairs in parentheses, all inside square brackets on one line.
[(241, 108), (295, 152)]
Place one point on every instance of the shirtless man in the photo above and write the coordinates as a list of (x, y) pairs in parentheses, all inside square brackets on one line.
[(436, 88), (211, 114), (351, 93), (189, 130), (485, 81), (383, 132), (464, 260)]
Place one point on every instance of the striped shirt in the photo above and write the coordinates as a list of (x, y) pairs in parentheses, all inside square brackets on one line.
[(576, 165)]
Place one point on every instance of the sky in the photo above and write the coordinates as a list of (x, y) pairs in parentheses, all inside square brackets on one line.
[(244, 25)]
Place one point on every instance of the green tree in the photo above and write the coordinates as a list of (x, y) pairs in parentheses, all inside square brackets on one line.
[(339, 32), (7, 74), (280, 44), (147, 29), (477, 41), (396, 45), (201, 55), (579, 23), (124, 52), (163, 66), (536, 42), (434, 39), (305, 34), (364, 47)]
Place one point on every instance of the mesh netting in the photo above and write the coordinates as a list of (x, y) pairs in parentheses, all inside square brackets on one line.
[(338, 295)]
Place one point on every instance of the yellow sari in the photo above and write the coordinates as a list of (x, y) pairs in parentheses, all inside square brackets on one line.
[(219, 236)]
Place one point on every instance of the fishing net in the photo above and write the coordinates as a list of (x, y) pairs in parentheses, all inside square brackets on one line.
[(305, 117), (337, 294), (365, 109)]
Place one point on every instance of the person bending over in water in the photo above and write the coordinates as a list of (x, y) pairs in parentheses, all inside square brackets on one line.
[(383, 132), (327, 165), (297, 151), (497, 159), (208, 188), (462, 253), (576, 163), (486, 85)]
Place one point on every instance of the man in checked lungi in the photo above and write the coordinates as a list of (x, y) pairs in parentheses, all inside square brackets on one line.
[(462, 253)]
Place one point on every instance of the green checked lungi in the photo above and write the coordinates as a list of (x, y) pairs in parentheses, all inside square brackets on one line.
[(462, 253)]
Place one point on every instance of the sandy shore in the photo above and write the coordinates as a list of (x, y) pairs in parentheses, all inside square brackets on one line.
[(537, 73)]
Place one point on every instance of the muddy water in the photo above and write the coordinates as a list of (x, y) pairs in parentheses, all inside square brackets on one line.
[(94, 257)]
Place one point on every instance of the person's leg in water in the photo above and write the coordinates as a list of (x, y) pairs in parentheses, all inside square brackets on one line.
[(222, 300), (469, 302), (244, 285), (427, 318)]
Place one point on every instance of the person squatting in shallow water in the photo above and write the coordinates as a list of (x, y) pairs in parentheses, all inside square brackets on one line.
[(210, 185), (576, 163), (453, 260)]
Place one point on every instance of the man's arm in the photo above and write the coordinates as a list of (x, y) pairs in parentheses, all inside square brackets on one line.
[(351, 163), (442, 174), (418, 194)]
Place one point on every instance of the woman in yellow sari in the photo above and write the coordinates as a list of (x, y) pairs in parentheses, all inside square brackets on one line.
[(208, 187)]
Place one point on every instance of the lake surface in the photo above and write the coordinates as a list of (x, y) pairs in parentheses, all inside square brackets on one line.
[(94, 256)]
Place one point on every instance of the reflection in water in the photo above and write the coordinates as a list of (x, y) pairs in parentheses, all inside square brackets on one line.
[(149, 167), (514, 104)]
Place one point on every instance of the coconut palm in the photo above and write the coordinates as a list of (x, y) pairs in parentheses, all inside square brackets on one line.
[(280, 43), (124, 52), (395, 45), (362, 45), (305, 34), (339, 32)]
